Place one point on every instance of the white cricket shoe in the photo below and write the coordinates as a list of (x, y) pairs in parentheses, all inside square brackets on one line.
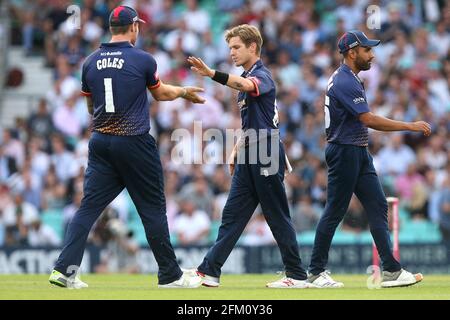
[(208, 281), (400, 278), (60, 280), (289, 283), (186, 281), (324, 280)]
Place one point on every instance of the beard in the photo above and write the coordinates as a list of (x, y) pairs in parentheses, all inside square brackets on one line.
[(362, 64)]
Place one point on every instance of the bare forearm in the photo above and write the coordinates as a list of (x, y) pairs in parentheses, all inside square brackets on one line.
[(240, 83), (236, 82), (171, 93), (384, 124), (167, 92), (230, 80)]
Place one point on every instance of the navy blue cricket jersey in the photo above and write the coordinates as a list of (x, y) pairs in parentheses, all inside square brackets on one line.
[(117, 76), (259, 108), (344, 102)]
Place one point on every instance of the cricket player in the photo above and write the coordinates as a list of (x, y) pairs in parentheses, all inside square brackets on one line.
[(122, 153), (253, 183), (350, 165)]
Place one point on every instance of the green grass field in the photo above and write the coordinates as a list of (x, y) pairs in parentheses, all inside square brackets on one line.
[(234, 287)]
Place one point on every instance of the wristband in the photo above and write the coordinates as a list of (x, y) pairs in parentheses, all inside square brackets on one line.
[(221, 77)]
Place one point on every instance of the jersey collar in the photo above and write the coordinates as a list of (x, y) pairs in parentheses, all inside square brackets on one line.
[(349, 70), (256, 65), (121, 44)]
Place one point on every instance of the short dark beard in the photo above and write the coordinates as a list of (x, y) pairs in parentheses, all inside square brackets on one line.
[(361, 64)]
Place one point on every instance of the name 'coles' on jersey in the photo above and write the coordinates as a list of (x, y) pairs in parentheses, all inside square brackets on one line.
[(110, 63)]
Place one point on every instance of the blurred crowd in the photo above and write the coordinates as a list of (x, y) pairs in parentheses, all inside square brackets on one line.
[(42, 158)]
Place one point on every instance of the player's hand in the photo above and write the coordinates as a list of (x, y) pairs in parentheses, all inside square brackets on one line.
[(231, 167), (192, 94), (422, 126), (232, 160), (199, 67)]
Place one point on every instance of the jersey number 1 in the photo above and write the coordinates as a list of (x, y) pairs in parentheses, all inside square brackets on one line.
[(327, 101), (327, 112), (109, 99)]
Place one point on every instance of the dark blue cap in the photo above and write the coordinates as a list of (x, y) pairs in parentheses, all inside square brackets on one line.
[(354, 38), (122, 16)]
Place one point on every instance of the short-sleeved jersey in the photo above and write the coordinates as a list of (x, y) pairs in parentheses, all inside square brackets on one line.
[(345, 100), (259, 108), (117, 76)]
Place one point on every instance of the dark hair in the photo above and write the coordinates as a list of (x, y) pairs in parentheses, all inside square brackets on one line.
[(356, 49), (120, 29)]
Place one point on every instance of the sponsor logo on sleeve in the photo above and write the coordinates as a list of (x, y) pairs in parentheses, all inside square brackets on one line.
[(359, 100)]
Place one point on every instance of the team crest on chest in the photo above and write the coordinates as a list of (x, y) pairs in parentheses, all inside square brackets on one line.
[(241, 104)]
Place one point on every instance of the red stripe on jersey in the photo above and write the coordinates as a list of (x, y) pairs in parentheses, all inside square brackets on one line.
[(156, 86), (256, 82), (86, 94)]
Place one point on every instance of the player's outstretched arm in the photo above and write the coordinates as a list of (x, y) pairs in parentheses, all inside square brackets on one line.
[(167, 92), (384, 124), (230, 80)]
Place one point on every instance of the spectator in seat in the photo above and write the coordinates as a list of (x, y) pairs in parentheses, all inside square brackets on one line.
[(17, 218), (191, 226), (41, 235)]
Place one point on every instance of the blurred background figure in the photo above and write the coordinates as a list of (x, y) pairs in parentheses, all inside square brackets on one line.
[(17, 218), (120, 255), (41, 235), (191, 225), (257, 232), (305, 214), (355, 221)]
